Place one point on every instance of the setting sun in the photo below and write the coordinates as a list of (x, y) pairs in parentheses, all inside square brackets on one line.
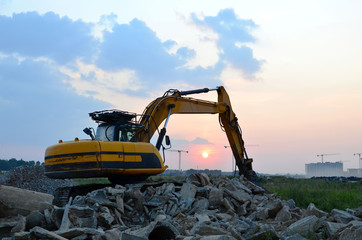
[(205, 155)]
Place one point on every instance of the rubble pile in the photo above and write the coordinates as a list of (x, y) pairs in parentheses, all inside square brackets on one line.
[(33, 178), (199, 208)]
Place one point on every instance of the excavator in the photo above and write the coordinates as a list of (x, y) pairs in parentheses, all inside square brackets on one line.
[(120, 148)]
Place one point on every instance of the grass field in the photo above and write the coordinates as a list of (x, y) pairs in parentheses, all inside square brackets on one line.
[(326, 195), (86, 181)]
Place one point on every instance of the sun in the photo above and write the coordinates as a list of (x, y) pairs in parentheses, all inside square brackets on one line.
[(205, 154)]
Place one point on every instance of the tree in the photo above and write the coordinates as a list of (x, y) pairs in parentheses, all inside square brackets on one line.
[(4, 165)]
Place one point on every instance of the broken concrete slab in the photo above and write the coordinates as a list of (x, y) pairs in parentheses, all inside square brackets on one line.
[(20, 226), (208, 228), (81, 217), (21, 236), (35, 218), (313, 210), (227, 205), (199, 206), (284, 214), (112, 234), (6, 225), (304, 226), (215, 197), (188, 190), (76, 232), (16, 201), (332, 228), (198, 179), (352, 233), (238, 184), (99, 197), (264, 231), (274, 206), (239, 195), (202, 217), (41, 233), (343, 216), (105, 218)]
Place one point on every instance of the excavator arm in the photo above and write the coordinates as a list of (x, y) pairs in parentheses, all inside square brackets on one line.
[(175, 102)]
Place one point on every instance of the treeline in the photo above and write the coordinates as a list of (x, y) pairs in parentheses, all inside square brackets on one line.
[(6, 165)]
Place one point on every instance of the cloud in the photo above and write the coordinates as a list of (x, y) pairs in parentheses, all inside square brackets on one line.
[(183, 143), (233, 33), (37, 107), (131, 48), (90, 81), (200, 141), (135, 46), (33, 35)]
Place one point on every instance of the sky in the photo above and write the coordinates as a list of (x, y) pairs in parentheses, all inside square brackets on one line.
[(291, 68)]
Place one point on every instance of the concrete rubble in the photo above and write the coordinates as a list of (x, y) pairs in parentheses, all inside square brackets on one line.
[(33, 178), (199, 208)]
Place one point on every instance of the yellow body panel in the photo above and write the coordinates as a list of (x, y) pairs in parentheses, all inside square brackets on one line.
[(91, 158)]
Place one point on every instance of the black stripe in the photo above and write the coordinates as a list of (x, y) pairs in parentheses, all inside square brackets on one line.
[(70, 155), (149, 160), (70, 166), (91, 154)]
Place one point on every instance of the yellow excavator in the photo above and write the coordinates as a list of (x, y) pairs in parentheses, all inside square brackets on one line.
[(120, 148)]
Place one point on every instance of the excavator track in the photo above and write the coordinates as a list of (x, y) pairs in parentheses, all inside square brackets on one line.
[(62, 195)]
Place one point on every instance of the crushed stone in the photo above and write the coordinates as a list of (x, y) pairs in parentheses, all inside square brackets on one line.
[(33, 178)]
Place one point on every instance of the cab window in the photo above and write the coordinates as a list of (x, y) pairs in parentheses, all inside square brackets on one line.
[(105, 132)]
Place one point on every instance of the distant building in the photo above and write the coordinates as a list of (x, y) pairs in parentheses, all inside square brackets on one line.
[(353, 172), (206, 171), (324, 169)]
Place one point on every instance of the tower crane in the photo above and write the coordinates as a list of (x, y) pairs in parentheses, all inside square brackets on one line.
[(179, 156), (326, 154)]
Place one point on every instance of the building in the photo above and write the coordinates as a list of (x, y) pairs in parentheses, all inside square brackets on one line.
[(353, 172), (324, 169)]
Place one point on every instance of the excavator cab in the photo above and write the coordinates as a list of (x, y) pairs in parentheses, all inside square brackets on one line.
[(114, 132), (114, 125)]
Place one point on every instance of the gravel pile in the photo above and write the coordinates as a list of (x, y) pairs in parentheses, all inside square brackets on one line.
[(33, 178)]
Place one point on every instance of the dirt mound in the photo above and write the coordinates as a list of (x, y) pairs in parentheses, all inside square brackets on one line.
[(33, 178)]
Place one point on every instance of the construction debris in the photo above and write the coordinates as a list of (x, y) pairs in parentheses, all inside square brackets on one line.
[(33, 178), (199, 208), (16, 201)]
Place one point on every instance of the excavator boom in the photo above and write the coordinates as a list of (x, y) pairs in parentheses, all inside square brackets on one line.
[(174, 102)]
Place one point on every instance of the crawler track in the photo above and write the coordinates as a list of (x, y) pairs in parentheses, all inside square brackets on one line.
[(62, 195)]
